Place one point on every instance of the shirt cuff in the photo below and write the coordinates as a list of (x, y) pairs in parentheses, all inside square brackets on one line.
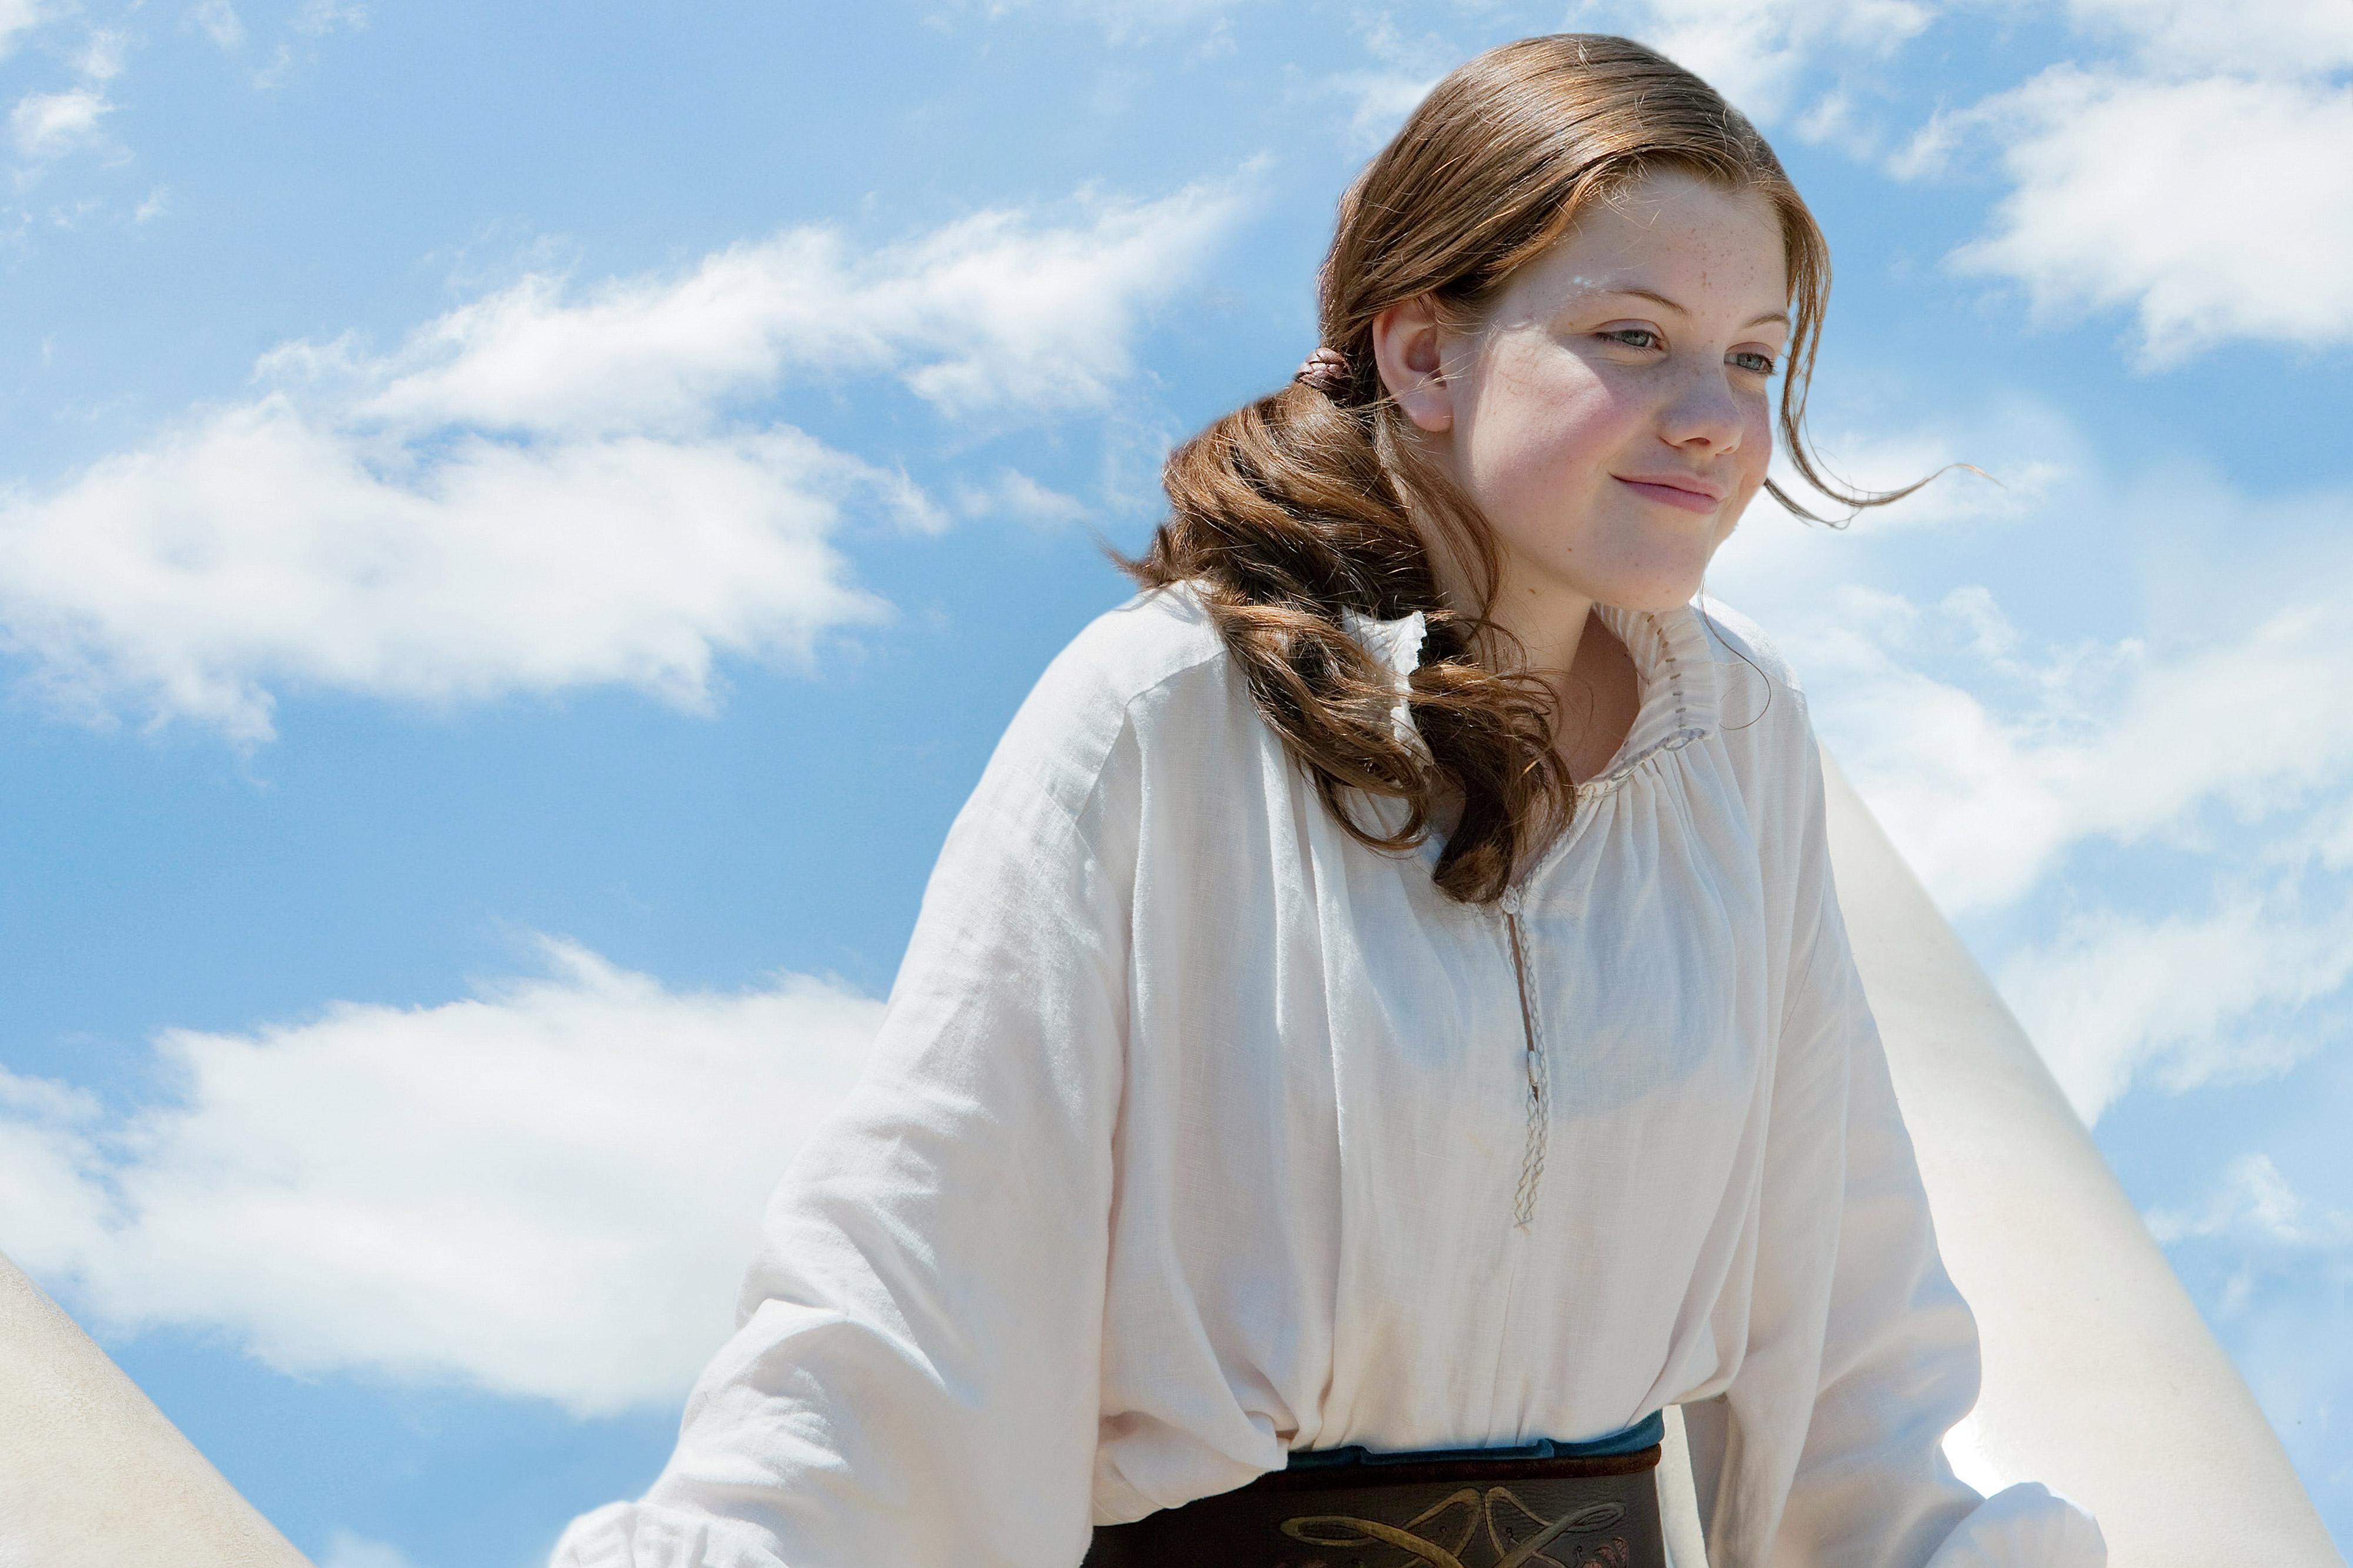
[(2024, 1526)]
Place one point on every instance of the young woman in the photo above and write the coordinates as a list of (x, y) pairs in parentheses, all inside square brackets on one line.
[(1387, 996)]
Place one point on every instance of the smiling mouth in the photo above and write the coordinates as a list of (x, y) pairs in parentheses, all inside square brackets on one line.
[(1687, 501)]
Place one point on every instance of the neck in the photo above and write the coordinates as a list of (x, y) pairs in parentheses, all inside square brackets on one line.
[(1549, 623), (1547, 620)]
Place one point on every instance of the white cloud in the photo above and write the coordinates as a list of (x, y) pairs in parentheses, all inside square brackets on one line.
[(346, 1549), (1382, 95), (101, 57), (1762, 55), (539, 490), (1756, 52), (549, 1191), (2198, 727), (2271, 1270), (2187, 165), (2196, 37), (2188, 1001), (273, 76), (268, 547), (2253, 1203), (2191, 682), (1379, 100), (991, 313), (46, 1168), (17, 16), (317, 17), (220, 23), (1013, 494), (1122, 21), (47, 125), (2214, 208), (1985, 785)]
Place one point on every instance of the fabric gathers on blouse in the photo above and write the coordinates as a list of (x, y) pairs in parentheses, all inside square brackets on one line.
[(1195, 1131)]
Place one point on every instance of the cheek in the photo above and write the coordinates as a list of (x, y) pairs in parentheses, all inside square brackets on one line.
[(1756, 444), (1537, 431)]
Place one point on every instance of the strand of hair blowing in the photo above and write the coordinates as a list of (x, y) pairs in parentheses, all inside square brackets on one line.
[(1299, 507)]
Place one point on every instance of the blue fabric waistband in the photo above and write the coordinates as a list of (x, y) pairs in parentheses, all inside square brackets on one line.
[(1649, 1431)]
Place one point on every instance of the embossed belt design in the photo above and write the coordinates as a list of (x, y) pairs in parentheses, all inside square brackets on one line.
[(1543, 1506)]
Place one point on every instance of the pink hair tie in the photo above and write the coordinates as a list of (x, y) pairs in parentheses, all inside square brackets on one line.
[(1327, 370)]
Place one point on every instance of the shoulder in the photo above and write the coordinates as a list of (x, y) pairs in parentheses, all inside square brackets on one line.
[(1152, 664), (1758, 691), (1128, 653), (1735, 640), (1764, 727)]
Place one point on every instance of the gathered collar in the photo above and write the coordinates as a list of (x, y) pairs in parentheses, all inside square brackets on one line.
[(1679, 694), (1672, 661)]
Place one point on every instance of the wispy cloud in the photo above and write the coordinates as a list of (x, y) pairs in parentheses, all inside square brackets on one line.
[(17, 18), (1400, 72), (1991, 751), (2189, 38), (346, 1549), (2001, 758), (46, 125), (101, 56), (310, 22), (2187, 167), (1987, 784), (2272, 1268), (318, 17), (1013, 494), (269, 546), (219, 22), (1119, 21), (551, 487), (2255, 1203), (997, 312), (548, 1190), (1758, 53), (2219, 998), (2142, 195)]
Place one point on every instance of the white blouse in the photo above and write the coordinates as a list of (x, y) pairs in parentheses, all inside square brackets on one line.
[(1196, 1132)]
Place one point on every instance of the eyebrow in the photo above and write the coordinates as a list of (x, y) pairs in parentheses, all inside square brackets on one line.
[(1781, 317)]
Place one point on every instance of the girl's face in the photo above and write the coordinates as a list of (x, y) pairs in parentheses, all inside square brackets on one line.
[(1612, 415)]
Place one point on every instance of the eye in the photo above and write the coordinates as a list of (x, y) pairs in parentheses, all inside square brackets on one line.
[(1763, 365), (1620, 335)]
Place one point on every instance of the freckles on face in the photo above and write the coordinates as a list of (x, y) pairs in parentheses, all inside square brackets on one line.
[(1615, 411), (1543, 425)]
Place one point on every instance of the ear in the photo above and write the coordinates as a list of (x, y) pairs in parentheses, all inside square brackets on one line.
[(1407, 348)]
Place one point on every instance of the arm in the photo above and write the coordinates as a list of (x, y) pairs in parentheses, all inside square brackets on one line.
[(915, 1378), (1862, 1354)]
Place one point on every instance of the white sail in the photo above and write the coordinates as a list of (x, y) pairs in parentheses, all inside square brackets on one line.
[(2100, 1379), (91, 1474)]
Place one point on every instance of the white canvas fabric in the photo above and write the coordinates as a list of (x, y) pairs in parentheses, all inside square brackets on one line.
[(1196, 1132)]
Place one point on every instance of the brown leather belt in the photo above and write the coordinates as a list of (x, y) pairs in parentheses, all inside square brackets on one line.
[(1559, 1513)]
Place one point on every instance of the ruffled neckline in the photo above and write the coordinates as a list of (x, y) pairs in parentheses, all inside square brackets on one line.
[(1672, 661)]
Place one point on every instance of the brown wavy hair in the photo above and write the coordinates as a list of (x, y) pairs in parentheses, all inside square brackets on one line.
[(1299, 506)]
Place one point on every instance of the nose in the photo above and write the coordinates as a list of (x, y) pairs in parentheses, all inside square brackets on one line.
[(1702, 412)]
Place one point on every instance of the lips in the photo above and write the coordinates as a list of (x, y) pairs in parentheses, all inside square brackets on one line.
[(1686, 494)]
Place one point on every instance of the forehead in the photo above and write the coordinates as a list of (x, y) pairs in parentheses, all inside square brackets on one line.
[(1717, 253)]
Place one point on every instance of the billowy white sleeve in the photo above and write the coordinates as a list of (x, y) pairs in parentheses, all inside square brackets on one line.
[(1826, 1449), (915, 1377)]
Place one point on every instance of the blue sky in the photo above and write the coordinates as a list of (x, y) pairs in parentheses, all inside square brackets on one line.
[(519, 529)]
